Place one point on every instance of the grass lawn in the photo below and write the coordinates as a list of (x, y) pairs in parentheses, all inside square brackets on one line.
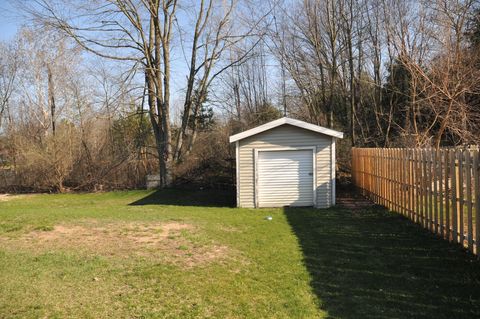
[(185, 254)]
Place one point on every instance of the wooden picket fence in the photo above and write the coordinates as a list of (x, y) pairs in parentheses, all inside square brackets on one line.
[(438, 189)]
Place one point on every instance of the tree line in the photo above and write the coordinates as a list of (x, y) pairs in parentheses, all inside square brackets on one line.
[(97, 94)]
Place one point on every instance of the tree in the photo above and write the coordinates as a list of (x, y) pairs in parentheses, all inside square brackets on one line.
[(9, 64), (473, 29)]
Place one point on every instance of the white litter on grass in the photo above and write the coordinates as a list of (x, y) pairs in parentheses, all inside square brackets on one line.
[(268, 218)]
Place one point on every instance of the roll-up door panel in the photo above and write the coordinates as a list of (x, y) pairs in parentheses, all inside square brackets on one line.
[(285, 178)]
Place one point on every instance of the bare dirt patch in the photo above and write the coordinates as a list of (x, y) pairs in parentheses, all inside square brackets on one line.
[(352, 200), (174, 242)]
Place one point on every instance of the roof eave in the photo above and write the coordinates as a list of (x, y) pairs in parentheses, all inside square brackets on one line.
[(282, 121)]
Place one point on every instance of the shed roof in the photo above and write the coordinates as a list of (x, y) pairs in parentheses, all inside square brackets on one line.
[(282, 121)]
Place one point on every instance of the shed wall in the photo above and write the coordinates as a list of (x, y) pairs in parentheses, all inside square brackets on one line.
[(279, 137)]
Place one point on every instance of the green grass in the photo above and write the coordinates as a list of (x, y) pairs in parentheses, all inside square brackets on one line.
[(112, 255), (424, 216)]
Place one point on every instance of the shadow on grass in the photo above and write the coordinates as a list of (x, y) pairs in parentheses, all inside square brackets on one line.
[(189, 197), (376, 264)]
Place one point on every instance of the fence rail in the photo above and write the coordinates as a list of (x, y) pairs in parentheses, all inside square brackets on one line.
[(438, 189)]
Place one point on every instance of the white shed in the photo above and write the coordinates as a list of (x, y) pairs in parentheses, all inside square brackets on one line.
[(286, 162)]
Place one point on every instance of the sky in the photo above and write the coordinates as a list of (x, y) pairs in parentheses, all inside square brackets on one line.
[(9, 20)]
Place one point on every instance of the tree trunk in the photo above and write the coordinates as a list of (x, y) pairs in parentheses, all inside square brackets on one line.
[(51, 97), (443, 125), (194, 124), (166, 163)]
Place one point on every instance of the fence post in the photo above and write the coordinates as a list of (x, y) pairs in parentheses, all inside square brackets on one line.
[(388, 178), (382, 163), (375, 181), (440, 191), (404, 163), (393, 179), (423, 193), (468, 177), (430, 190), (397, 190), (411, 194), (448, 184), (417, 182), (460, 195), (371, 175), (435, 191), (382, 181), (454, 196), (476, 182)]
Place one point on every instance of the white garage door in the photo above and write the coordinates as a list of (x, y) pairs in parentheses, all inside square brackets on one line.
[(285, 178)]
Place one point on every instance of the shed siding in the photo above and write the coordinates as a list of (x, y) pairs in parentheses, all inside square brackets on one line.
[(279, 137)]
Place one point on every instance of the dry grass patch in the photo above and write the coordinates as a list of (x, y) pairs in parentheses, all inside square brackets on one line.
[(8, 197), (172, 242), (230, 229)]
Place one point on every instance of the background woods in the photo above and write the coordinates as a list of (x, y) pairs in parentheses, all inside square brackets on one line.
[(98, 94)]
